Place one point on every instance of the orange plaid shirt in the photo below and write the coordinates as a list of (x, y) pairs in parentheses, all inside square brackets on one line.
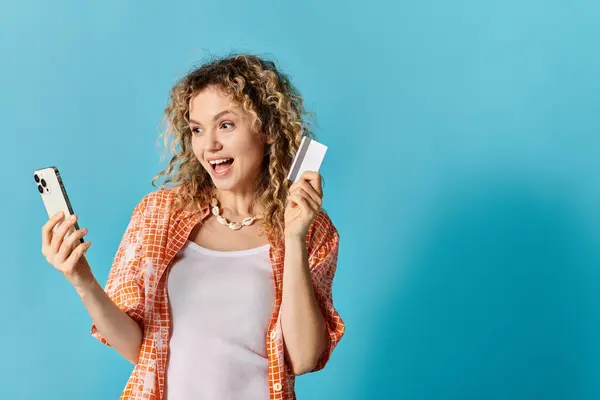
[(137, 283)]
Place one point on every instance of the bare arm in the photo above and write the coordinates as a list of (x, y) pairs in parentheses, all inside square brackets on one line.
[(119, 329), (303, 324), (311, 326), (67, 255)]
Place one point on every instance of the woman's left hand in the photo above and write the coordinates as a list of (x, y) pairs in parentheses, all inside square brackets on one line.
[(303, 204)]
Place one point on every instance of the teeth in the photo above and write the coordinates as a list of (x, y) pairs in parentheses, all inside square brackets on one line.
[(214, 162)]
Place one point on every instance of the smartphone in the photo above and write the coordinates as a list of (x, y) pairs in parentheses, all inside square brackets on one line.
[(54, 195)]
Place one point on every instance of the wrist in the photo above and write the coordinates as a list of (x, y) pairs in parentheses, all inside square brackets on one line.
[(294, 237), (84, 286)]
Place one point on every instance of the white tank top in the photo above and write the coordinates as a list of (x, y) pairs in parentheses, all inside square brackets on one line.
[(221, 303)]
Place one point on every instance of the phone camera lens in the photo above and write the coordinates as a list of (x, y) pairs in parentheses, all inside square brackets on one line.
[(37, 178), (41, 190), (43, 183)]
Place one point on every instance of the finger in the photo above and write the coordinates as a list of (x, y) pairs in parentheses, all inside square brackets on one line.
[(59, 235), (294, 186), (304, 201), (308, 174), (76, 254), (294, 198), (304, 193), (310, 190), (305, 205), (314, 205), (314, 178), (296, 201), (47, 229), (68, 245)]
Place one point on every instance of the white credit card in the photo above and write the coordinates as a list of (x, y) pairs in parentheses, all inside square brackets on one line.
[(308, 158)]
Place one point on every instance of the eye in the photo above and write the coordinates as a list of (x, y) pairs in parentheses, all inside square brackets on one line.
[(195, 130), (227, 125)]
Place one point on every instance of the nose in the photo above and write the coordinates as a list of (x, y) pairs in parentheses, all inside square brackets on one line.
[(212, 143)]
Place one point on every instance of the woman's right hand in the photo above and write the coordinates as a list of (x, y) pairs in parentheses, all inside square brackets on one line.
[(67, 255)]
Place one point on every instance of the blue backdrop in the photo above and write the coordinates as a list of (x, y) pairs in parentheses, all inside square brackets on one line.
[(462, 174)]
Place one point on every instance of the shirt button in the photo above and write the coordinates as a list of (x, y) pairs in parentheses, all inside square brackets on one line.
[(273, 334), (277, 387)]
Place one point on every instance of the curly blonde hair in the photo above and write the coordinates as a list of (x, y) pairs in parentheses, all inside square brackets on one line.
[(278, 116)]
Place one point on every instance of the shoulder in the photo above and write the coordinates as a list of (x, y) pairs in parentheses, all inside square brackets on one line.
[(158, 201)]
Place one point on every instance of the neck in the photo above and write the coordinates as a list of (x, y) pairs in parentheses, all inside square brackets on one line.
[(237, 204)]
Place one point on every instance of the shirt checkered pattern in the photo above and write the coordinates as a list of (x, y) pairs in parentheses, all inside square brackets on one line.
[(137, 284)]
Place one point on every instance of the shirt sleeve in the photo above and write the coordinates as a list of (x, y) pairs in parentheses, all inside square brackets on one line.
[(323, 263), (125, 285)]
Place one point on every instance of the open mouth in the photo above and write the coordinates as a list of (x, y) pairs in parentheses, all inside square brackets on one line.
[(221, 166)]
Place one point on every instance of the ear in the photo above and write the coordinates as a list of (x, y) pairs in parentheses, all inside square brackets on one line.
[(268, 140)]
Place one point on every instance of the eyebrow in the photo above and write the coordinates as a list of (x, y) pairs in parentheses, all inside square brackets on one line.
[(215, 117)]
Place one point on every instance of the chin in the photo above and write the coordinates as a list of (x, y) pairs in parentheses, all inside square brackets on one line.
[(224, 184)]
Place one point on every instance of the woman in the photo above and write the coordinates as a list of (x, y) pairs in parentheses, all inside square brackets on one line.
[(221, 286)]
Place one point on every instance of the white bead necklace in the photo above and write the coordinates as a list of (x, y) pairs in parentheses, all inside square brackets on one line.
[(224, 221)]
